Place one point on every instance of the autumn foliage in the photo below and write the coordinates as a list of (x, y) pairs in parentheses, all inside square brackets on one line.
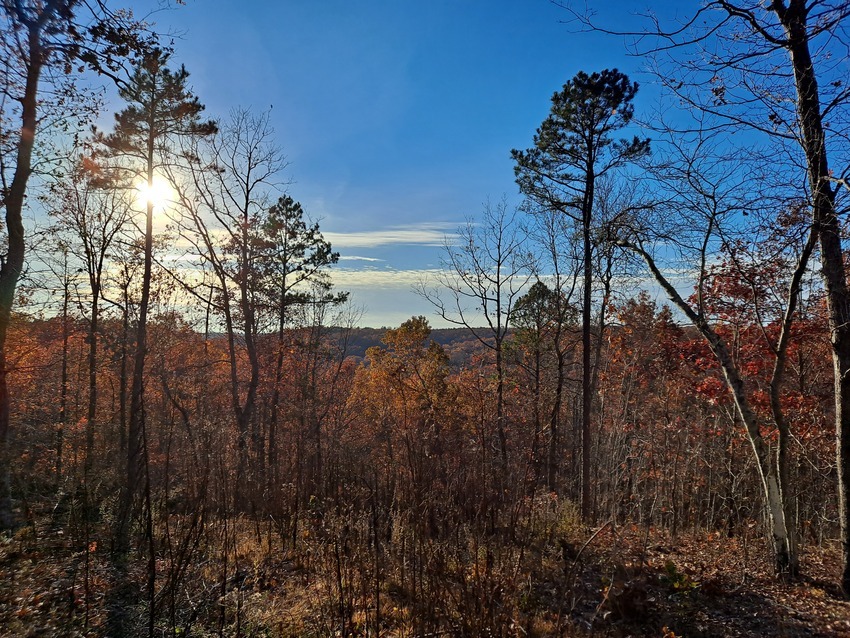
[(379, 486)]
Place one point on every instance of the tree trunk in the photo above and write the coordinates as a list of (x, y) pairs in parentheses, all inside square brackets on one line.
[(273, 460), (826, 223), (91, 414), (136, 434), (500, 409), (247, 410), (586, 369), (553, 463), (776, 379), (63, 392), (782, 544), (11, 268), (122, 380), (766, 468)]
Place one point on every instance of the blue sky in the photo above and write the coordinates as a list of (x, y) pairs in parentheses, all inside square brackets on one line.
[(397, 117)]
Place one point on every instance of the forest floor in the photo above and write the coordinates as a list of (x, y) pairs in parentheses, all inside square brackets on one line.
[(705, 585), (617, 582)]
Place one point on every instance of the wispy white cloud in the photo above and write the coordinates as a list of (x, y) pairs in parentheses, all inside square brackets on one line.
[(358, 258), (424, 234), (384, 279)]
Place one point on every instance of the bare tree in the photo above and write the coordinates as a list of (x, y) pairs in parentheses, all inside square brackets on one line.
[(91, 214), (225, 196), (484, 272), (701, 208)]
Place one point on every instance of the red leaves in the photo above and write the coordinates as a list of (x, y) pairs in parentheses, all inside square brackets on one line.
[(712, 389)]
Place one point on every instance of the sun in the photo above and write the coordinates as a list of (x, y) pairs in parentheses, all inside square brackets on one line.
[(158, 193)]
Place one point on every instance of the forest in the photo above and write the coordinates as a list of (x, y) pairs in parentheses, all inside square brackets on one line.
[(638, 423)]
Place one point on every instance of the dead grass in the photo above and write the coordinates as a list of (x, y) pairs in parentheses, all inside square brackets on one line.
[(560, 580)]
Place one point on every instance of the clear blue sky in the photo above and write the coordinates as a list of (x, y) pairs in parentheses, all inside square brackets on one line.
[(397, 117)]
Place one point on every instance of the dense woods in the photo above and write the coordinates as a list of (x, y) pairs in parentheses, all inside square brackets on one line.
[(196, 438)]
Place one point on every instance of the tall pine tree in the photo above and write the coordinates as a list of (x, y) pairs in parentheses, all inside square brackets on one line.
[(573, 148), (160, 109), (295, 261)]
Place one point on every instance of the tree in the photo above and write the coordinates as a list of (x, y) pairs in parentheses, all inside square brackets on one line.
[(543, 319), (39, 35), (651, 420), (802, 21), (231, 178), (295, 262), (91, 214), (702, 205), (573, 148), (777, 71), (161, 109), (484, 274), (405, 391), (58, 266)]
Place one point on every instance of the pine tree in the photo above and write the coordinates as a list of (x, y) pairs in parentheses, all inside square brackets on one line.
[(573, 148), (160, 109), (295, 265)]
